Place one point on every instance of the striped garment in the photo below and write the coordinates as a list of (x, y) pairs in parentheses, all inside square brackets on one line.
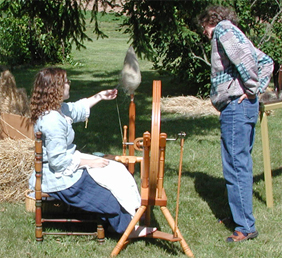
[(237, 67)]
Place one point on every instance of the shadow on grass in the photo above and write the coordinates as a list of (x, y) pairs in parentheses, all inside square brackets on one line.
[(170, 247), (212, 190), (108, 117), (275, 173), (106, 121)]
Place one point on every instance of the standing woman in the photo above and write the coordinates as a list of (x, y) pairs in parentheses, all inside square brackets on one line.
[(239, 72), (69, 175)]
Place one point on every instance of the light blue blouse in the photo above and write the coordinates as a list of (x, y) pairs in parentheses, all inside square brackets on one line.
[(60, 158)]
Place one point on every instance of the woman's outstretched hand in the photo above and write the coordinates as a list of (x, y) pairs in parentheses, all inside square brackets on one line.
[(108, 94), (102, 95)]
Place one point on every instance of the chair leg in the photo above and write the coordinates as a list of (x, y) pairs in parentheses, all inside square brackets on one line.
[(100, 232), (38, 221)]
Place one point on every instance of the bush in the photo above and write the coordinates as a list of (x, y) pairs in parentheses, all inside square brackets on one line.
[(27, 41), (13, 44)]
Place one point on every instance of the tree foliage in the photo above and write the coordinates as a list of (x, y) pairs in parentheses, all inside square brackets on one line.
[(40, 31), (167, 32)]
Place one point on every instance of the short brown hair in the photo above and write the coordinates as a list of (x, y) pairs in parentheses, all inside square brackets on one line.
[(48, 89), (214, 14)]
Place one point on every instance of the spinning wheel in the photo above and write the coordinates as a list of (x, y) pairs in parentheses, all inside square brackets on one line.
[(152, 171), (155, 139)]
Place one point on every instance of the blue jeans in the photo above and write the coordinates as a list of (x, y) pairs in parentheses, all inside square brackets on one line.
[(237, 123)]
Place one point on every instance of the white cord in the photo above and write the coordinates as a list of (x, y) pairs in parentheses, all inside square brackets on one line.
[(119, 120)]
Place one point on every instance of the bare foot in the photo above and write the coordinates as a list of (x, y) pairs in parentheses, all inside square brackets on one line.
[(140, 231)]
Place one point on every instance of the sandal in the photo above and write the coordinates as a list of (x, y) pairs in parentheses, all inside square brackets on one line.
[(240, 237)]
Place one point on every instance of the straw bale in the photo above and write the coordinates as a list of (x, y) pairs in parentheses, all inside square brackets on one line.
[(188, 106), (16, 166)]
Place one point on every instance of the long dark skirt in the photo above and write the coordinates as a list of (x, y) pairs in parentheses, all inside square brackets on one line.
[(87, 195)]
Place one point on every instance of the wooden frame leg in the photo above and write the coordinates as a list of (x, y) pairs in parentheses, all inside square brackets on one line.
[(38, 222), (266, 160), (171, 223), (100, 232), (127, 232)]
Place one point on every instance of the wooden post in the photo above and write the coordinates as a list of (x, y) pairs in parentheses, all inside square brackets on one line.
[(131, 137), (266, 157), (265, 148), (280, 79), (124, 140), (38, 197), (145, 173), (146, 160), (163, 137)]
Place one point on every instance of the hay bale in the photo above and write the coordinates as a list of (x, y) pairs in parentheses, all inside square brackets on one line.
[(16, 166), (270, 95), (188, 106)]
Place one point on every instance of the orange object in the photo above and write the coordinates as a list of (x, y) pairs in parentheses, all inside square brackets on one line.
[(152, 174), (15, 127)]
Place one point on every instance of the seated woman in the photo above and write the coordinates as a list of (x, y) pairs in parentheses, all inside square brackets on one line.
[(81, 180)]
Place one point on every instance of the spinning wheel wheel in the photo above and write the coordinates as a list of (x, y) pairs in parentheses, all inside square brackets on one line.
[(155, 139), (152, 170)]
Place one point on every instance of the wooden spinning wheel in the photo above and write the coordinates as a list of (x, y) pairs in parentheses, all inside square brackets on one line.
[(155, 139), (152, 172)]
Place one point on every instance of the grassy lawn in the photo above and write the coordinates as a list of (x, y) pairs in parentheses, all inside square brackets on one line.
[(203, 198)]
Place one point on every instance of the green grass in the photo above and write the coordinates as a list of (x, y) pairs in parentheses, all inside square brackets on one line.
[(203, 198)]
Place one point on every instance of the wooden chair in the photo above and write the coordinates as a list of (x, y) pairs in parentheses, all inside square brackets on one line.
[(46, 209)]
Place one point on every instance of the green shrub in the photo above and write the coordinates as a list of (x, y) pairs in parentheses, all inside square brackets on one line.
[(13, 44)]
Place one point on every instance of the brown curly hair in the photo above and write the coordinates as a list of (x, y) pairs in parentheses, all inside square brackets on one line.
[(47, 92), (214, 14)]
